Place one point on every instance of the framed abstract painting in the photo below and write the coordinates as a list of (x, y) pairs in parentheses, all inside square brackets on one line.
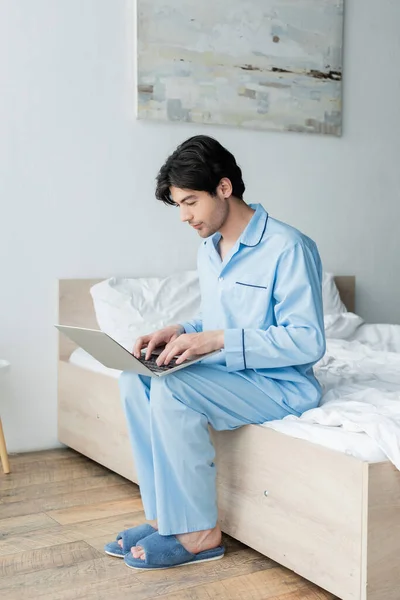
[(259, 64)]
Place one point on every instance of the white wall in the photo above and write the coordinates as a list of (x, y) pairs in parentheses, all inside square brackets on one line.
[(77, 178)]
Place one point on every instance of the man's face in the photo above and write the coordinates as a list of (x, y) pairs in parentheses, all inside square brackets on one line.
[(203, 212)]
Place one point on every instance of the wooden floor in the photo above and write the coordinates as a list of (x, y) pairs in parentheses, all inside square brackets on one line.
[(58, 509)]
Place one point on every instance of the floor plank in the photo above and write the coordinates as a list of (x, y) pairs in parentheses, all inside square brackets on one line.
[(39, 475), (110, 575), (47, 464), (20, 526), (95, 511), (39, 455), (61, 555), (45, 490), (58, 509), (58, 534), (276, 583), (62, 503)]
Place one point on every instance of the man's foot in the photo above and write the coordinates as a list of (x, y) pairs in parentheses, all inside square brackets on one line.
[(194, 542), (152, 523)]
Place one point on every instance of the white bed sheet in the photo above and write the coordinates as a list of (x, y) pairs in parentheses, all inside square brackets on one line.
[(360, 410), (361, 396)]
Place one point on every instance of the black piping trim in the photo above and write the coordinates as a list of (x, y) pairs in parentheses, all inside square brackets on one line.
[(261, 287), (260, 238), (244, 356)]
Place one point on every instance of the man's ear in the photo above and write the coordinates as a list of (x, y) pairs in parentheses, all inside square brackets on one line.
[(225, 187)]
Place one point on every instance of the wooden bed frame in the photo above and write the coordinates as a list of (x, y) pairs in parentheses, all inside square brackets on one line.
[(331, 518)]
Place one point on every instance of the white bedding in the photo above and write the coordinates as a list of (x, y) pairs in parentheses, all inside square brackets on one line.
[(361, 402), (360, 410)]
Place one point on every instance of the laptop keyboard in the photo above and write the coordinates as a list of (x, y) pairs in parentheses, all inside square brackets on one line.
[(153, 366)]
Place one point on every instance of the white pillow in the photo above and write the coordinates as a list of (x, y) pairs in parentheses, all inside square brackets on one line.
[(342, 325), (128, 308), (330, 296)]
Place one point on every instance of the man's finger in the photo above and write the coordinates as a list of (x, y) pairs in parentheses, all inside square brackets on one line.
[(185, 356), (153, 343), (176, 350), (140, 342), (169, 352), (160, 359), (137, 347)]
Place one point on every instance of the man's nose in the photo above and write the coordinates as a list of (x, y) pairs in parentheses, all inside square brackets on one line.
[(185, 215)]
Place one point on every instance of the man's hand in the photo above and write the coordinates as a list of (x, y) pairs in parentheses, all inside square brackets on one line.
[(157, 338), (190, 345)]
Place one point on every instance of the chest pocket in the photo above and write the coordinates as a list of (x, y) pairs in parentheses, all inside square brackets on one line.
[(249, 302)]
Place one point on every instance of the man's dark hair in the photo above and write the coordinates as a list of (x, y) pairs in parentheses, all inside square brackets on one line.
[(199, 164)]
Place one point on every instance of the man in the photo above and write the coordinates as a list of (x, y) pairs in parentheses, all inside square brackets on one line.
[(261, 304)]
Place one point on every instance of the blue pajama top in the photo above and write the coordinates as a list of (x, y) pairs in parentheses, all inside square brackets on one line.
[(267, 297)]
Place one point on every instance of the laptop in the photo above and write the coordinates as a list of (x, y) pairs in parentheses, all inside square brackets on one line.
[(114, 356)]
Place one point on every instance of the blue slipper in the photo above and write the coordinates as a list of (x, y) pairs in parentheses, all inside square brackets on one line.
[(129, 537), (165, 552)]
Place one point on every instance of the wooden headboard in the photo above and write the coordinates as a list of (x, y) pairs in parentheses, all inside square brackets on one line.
[(75, 306), (346, 284)]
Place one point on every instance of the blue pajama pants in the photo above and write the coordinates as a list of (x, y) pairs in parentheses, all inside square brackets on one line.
[(168, 421)]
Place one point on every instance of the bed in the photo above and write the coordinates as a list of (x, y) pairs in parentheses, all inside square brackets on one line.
[(331, 516)]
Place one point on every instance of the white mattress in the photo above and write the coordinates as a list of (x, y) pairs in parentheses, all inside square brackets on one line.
[(360, 409)]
